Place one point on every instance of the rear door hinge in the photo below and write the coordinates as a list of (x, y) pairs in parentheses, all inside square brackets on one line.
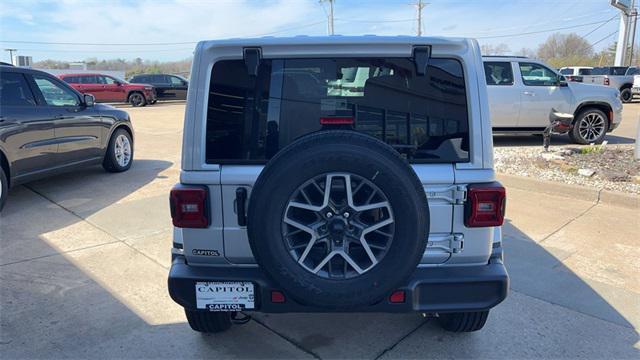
[(453, 243), (454, 194)]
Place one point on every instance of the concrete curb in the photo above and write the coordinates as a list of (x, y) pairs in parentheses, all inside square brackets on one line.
[(571, 191)]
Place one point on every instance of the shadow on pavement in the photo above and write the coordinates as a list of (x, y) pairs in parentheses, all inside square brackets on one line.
[(110, 301), (52, 209), (536, 140)]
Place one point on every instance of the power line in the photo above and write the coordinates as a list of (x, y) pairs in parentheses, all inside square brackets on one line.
[(603, 39), (149, 44), (599, 26), (542, 31), (375, 21), (94, 44)]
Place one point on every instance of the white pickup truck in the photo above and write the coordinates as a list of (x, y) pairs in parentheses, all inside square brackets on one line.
[(617, 77)]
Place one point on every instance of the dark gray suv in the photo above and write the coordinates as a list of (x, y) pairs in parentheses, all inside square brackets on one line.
[(47, 127)]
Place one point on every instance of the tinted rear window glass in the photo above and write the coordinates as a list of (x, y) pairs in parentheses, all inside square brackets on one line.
[(584, 72), (566, 71), (498, 73), (89, 79), (14, 90), (423, 117)]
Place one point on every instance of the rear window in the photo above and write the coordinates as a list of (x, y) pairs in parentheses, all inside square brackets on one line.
[(88, 79), (498, 73), (584, 72), (566, 71), (14, 90), (424, 118)]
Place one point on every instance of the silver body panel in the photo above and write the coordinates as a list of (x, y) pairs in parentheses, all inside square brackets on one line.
[(450, 242)]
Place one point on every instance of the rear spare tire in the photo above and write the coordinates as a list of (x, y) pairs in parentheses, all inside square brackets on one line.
[(338, 219)]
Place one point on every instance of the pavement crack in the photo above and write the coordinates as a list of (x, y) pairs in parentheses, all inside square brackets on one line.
[(393, 346), (287, 339), (572, 220), (59, 253)]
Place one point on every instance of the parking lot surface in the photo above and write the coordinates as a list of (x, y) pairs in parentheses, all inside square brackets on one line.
[(85, 257)]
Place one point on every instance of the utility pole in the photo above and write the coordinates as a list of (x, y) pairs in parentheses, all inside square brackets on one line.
[(419, 6), (634, 21), (11, 54), (329, 16), (627, 17)]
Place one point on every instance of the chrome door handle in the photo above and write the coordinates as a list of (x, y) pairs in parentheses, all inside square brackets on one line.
[(529, 93)]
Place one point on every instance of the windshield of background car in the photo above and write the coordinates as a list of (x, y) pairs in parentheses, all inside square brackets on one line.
[(424, 118)]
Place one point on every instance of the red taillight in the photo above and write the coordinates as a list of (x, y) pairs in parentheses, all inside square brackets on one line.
[(189, 207), (485, 205), (277, 297), (397, 297), (343, 120), (606, 81)]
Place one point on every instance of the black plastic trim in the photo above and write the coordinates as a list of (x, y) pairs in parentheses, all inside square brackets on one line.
[(430, 289)]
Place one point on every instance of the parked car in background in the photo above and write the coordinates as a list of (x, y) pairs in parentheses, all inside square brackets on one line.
[(107, 88), (167, 86), (575, 73), (47, 127), (617, 77), (525, 93)]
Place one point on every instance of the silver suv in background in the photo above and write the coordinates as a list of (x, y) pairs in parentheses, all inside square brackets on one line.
[(524, 94), (337, 174)]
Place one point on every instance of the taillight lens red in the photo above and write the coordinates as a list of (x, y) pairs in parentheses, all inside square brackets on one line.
[(485, 205), (606, 81), (397, 297), (342, 120), (189, 207)]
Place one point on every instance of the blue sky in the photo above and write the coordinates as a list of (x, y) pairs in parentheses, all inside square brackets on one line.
[(174, 21)]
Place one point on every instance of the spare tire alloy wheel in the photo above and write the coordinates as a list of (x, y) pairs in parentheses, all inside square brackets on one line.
[(338, 225), (338, 220)]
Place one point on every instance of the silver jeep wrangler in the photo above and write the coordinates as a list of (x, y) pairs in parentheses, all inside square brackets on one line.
[(337, 174)]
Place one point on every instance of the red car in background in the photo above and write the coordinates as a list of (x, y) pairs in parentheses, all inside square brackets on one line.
[(107, 88)]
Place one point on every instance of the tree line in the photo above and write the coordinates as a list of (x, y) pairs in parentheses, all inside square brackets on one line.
[(565, 50), (558, 50)]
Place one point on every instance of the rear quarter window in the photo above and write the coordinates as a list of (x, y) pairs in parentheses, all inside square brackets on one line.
[(498, 73), (424, 118)]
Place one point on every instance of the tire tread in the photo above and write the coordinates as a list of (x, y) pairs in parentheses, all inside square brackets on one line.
[(208, 322), (463, 322)]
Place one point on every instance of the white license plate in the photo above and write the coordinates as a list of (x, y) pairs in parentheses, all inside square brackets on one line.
[(225, 295)]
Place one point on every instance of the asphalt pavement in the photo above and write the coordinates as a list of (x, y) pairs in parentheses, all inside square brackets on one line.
[(85, 256)]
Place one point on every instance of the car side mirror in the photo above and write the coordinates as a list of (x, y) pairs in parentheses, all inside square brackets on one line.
[(562, 81), (89, 100)]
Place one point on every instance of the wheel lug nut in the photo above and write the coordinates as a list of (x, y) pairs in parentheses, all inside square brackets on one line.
[(329, 214), (346, 214)]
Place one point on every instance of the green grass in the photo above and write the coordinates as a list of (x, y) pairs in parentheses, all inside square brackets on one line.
[(592, 149)]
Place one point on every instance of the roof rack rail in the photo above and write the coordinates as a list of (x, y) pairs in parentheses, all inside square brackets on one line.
[(506, 56)]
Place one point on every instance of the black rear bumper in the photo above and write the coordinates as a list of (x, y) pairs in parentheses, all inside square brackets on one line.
[(436, 289)]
